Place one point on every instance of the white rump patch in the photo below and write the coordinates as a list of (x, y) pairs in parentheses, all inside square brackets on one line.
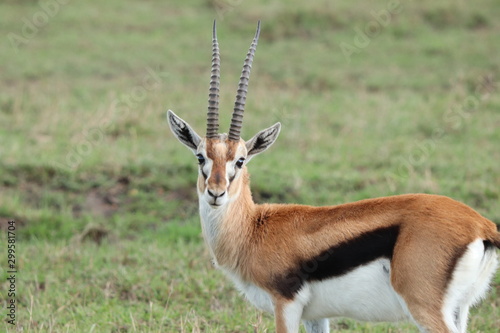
[(470, 283)]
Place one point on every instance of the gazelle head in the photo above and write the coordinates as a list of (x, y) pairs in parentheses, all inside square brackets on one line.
[(222, 157)]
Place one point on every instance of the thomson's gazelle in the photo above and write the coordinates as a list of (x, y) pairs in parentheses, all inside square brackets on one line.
[(424, 258)]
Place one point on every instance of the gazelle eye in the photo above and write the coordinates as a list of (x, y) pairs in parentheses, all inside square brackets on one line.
[(201, 159), (239, 163)]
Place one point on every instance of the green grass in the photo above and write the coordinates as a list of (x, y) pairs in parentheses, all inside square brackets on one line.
[(108, 238)]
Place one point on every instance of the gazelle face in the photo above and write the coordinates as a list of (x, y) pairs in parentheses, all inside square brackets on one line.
[(221, 157), (221, 161)]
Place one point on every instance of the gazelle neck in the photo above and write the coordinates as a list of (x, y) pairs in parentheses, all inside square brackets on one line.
[(227, 228)]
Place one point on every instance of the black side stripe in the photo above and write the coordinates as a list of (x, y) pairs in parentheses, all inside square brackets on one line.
[(339, 260)]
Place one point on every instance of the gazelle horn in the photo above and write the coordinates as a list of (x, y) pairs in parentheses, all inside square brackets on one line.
[(239, 104), (213, 95)]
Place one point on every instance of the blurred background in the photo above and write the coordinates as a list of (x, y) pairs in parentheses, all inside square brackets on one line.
[(375, 98)]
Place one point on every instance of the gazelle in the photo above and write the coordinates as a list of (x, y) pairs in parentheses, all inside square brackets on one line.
[(424, 258)]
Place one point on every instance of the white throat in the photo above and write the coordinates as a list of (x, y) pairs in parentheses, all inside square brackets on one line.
[(211, 220)]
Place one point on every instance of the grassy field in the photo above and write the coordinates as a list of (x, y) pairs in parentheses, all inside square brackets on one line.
[(376, 98)]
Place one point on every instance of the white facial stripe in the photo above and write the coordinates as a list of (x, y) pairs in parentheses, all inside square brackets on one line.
[(230, 171), (207, 168), (231, 166)]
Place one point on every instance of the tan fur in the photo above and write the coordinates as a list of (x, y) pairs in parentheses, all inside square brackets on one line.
[(280, 317), (496, 240)]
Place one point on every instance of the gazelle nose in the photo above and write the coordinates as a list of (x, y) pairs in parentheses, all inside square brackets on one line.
[(215, 194)]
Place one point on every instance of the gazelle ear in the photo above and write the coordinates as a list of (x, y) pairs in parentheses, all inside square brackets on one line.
[(262, 140), (183, 131)]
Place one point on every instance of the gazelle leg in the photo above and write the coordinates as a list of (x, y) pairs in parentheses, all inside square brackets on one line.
[(287, 315), (463, 316), (431, 321), (317, 326)]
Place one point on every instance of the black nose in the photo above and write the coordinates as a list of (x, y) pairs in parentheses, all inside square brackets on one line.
[(215, 195)]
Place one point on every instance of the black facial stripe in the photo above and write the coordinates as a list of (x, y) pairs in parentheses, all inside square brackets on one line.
[(203, 173), (231, 180), (339, 260)]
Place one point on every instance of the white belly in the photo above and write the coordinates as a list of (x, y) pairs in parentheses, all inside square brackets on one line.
[(363, 294), (255, 295)]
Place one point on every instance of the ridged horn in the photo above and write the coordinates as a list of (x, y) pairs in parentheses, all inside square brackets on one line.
[(239, 104), (213, 95)]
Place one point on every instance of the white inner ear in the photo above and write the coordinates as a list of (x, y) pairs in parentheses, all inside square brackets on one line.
[(264, 138), (179, 127)]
